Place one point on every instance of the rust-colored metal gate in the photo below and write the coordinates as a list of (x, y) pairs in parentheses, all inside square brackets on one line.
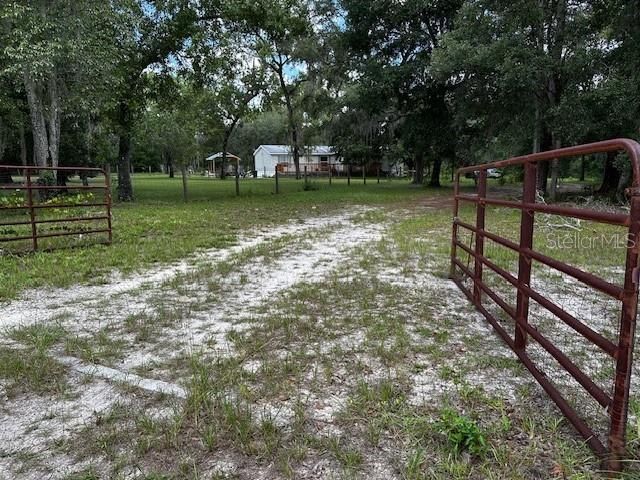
[(487, 300), (52, 205)]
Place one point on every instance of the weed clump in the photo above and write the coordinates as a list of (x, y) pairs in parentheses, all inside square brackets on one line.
[(462, 433)]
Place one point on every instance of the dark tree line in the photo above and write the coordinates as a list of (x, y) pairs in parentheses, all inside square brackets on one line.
[(426, 83)]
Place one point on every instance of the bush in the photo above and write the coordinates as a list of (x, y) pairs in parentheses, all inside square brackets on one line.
[(462, 433), (15, 199), (311, 186)]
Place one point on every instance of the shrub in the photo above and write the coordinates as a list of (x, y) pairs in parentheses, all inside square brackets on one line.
[(462, 433)]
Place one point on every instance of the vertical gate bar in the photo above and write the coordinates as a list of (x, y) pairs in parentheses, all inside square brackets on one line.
[(32, 211), (454, 229), (480, 214), (624, 358), (107, 190), (524, 262)]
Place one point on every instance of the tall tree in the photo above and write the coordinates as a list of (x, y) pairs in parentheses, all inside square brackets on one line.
[(393, 43), (283, 38), (61, 52), (233, 85), (506, 54), (151, 34)]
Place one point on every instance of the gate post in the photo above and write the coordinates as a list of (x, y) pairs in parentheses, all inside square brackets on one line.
[(454, 226), (32, 212), (524, 261), (479, 250), (624, 354), (107, 191)]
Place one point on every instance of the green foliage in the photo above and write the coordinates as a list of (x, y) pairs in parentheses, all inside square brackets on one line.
[(14, 199), (462, 433)]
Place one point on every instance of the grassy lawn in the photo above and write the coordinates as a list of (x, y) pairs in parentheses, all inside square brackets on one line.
[(320, 338), (159, 227)]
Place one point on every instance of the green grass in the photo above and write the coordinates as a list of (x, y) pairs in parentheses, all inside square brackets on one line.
[(355, 335), (29, 367), (159, 227)]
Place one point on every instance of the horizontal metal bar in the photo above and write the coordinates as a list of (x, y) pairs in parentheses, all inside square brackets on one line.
[(628, 145), (72, 219), (620, 219), (588, 278), (77, 232), (22, 186), (594, 337), (492, 320), (579, 424), (36, 167), (493, 295), (11, 224), (15, 239), (69, 205), (594, 390), (566, 409), (58, 234)]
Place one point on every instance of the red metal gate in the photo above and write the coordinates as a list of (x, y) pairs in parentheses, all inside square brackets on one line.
[(487, 300), (47, 204)]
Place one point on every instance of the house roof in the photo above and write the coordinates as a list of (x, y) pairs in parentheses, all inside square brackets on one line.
[(219, 155), (286, 149)]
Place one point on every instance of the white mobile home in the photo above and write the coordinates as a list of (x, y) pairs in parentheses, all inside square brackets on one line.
[(317, 159)]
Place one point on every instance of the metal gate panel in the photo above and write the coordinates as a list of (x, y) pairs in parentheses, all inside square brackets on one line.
[(615, 401)]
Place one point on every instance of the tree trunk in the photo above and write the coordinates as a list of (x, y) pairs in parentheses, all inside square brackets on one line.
[(610, 176), (555, 167), (543, 167), (23, 145), (418, 165), (61, 180), (170, 168), (54, 121), (38, 123), (183, 172), (225, 141), (4, 138), (293, 128), (582, 168), (623, 183), (435, 171), (125, 187), (5, 175)]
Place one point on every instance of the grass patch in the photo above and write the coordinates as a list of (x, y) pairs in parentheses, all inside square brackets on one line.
[(159, 227), (100, 348), (29, 367), (30, 370)]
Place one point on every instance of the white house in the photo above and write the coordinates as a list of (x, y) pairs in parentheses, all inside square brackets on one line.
[(318, 159)]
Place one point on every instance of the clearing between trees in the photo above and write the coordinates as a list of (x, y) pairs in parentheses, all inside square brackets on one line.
[(330, 346)]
